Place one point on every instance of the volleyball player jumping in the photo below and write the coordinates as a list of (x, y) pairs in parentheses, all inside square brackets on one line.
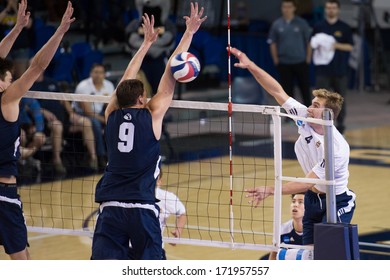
[(128, 212), (309, 149), (13, 231)]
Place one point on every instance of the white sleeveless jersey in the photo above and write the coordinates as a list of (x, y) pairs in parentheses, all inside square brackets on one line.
[(309, 149)]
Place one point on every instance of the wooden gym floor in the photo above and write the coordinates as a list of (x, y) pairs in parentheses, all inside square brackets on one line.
[(368, 133)]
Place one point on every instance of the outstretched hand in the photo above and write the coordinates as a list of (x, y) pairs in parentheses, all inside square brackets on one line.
[(195, 19), (23, 16), (150, 34), (242, 58), (67, 18), (176, 233), (258, 194)]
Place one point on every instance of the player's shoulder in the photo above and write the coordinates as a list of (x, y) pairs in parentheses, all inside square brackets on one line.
[(294, 107), (287, 227)]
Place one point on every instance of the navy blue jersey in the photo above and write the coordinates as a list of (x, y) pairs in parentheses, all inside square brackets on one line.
[(289, 235), (133, 158), (9, 146)]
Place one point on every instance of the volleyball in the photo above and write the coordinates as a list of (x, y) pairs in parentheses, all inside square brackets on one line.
[(185, 67)]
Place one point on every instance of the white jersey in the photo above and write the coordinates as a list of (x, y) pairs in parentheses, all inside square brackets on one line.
[(87, 87), (169, 205), (309, 149)]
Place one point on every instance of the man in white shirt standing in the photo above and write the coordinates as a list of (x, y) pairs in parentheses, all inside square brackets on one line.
[(97, 85), (309, 149)]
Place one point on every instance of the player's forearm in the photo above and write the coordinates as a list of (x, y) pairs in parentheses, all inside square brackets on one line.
[(295, 187), (46, 53), (184, 43), (135, 64), (180, 222)]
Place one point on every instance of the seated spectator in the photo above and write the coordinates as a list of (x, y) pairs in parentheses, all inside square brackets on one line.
[(32, 122), (96, 84), (32, 136), (79, 123), (61, 120)]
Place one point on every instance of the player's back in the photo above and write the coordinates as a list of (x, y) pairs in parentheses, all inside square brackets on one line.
[(133, 158), (9, 145)]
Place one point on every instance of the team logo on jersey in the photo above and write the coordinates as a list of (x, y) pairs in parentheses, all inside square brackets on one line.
[(308, 139), (127, 117), (318, 144)]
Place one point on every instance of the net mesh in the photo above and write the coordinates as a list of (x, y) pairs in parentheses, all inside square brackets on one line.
[(197, 166)]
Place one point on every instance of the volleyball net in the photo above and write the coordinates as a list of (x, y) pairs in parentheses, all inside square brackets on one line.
[(207, 162)]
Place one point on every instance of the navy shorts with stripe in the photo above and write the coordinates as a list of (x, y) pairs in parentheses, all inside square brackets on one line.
[(13, 230), (127, 233), (315, 211)]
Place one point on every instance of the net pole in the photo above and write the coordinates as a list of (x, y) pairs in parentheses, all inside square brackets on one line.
[(230, 114), (331, 215), (278, 167)]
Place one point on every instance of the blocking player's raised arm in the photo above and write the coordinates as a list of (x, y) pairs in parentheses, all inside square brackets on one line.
[(150, 36), (159, 104), (16, 90), (22, 20)]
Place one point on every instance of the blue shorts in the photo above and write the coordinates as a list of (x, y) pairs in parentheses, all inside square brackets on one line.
[(315, 211), (13, 230), (127, 232)]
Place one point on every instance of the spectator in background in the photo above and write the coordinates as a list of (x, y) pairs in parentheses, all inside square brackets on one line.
[(289, 38), (53, 113), (22, 48), (32, 122), (63, 121), (332, 74), (240, 16), (78, 123), (97, 85), (32, 136)]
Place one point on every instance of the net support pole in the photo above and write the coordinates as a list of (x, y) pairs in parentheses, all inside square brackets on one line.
[(278, 177), (329, 168)]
